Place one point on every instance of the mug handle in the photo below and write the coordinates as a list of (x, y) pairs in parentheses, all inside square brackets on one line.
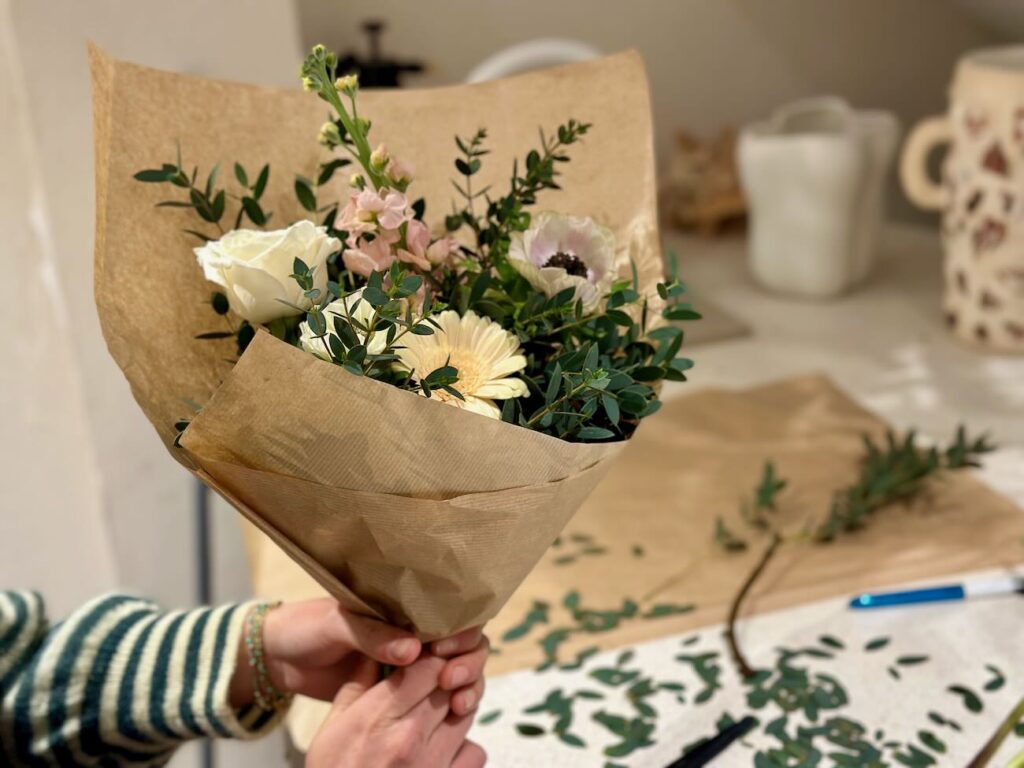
[(922, 190)]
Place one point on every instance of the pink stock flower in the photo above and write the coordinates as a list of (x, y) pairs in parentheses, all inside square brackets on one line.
[(417, 241), (440, 251), (366, 257), (400, 171), (369, 209), (389, 209)]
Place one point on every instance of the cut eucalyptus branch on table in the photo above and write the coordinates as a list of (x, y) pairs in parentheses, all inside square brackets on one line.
[(897, 470)]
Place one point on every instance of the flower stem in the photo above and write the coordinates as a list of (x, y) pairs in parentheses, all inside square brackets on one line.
[(352, 126), (553, 406), (992, 745), (730, 633)]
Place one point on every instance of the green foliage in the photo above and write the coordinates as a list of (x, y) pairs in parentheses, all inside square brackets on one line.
[(892, 472), (895, 471), (592, 377), (507, 214), (208, 201), (344, 337)]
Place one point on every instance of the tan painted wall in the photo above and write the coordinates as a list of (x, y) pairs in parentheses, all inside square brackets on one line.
[(711, 62)]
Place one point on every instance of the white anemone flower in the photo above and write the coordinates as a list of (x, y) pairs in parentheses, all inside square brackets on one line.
[(485, 355), (559, 252), (353, 307)]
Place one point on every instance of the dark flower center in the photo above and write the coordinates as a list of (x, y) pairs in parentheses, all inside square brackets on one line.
[(570, 262)]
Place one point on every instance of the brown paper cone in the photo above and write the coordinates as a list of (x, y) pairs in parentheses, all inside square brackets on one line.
[(401, 507)]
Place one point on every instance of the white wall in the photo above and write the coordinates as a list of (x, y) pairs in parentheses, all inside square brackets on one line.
[(52, 534), (90, 499)]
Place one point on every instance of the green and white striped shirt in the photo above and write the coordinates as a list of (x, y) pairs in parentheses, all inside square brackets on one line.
[(119, 683)]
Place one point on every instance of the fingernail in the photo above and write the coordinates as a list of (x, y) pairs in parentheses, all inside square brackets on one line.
[(403, 649), (446, 646), (460, 675), (468, 700)]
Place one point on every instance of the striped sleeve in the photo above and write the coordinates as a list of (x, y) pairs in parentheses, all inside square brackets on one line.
[(118, 683)]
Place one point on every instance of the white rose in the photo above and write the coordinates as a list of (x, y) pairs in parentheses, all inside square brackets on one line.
[(254, 268), (352, 307)]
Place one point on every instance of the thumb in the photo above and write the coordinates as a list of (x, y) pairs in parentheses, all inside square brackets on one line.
[(365, 675)]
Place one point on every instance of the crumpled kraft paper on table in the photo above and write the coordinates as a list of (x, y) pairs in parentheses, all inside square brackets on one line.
[(698, 460), (402, 508)]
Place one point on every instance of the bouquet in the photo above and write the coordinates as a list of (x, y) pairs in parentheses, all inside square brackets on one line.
[(412, 405)]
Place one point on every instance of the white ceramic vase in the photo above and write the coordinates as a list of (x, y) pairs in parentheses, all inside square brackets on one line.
[(814, 176)]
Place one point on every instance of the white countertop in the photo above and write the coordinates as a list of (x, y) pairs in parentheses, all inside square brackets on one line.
[(885, 342)]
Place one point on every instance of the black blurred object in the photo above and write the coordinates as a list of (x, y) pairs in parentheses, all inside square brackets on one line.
[(706, 751), (376, 71)]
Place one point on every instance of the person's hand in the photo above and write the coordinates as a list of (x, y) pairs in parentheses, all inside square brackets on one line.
[(467, 654), (311, 648), (404, 721)]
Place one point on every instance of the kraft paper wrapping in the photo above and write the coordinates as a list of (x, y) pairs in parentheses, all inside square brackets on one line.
[(697, 460), (402, 508)]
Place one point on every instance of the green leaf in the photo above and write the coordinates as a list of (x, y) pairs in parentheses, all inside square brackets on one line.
[(726, 539), (254, 211), (668, 609), (877, 644), (571, 739), (317, 323), (261, 182), (680, 313), (595, 433), (970, 699), (648, 373), (220, 303), (327, 169), (998, 679), (611, 407), (357, 354), (154, 175), (554, 385), (910, 661), (375, 297), (218, 205), (614, 677), (529, 730), (932, 741), (489, 718), (304, 192), (241, 175), (538, 614), (211, 180)]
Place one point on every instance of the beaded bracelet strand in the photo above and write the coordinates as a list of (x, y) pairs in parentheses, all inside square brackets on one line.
[(266, 696)]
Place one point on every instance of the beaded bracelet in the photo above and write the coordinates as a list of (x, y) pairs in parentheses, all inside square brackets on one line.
[(266, 696)]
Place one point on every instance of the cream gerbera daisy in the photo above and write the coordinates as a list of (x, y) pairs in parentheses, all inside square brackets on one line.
[(484, 353)]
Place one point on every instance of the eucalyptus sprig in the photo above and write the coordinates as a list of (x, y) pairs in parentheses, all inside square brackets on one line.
[(208, 200), (344, 336), (897, 470), (508, 213)]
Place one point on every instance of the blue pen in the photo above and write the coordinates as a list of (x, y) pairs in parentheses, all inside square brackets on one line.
[(968, 590)]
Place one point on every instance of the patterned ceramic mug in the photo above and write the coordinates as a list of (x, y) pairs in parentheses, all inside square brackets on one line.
[(981, 195)]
